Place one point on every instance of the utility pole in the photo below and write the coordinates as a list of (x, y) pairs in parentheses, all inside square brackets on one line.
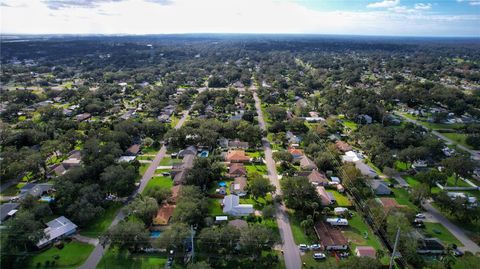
[(192, 234), (394, 248)]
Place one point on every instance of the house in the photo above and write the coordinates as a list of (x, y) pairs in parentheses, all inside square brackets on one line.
[(8, 210), (330, 238), (419, 164), (472, 200), (307, 164), (133, 150), (238, 223), (191, 150), (56, 229), (126, 159), (293, 139), (297, 154), (430, 246), (379, 187), (164, 118), (343, 146), (231, 205), (365, 119), (340, 210), (337, 221), (83, 116), (237, 170), (352, 156), (335, 180), (36, 190), (366, 251), (327, 197), (164, 214), (179, 171), (237, 156), (237, 144), (317, 178), (238, 186)]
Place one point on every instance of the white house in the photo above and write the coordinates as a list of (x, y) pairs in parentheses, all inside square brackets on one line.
[(340, 210), (56, 229), (232, 206), (351, 156), (337, 221)]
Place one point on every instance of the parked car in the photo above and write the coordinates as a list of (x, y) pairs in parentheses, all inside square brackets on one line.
[(319, 256), (303, 247), (315, 247), (420, 216), (457, 253), (418, 223)]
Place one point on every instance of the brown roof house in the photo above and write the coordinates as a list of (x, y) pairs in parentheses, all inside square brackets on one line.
[(237, 156), (164, 214), (133, 150), (237, 144), (343, 146), (297, 154), (238, 186), (315, 177), (237, 170), (330, 238), (366, 251), (307, 164), (327, 197), (179, 171)]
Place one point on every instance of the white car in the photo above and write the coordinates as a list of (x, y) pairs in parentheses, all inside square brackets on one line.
[(303, 247), (420, 216), (315, 247), (319, 256)]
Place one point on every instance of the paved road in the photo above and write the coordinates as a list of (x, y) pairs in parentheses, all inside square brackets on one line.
[(434, 214), (290, 249), (475, 153), (99, 250)]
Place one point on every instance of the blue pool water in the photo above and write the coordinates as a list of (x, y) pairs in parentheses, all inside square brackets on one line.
[(203, 154), (222, 184), (155, 234), (47, 199)]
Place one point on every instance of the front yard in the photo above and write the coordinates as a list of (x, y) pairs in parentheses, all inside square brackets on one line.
[(72, 255), (160, 181), (439, 231)]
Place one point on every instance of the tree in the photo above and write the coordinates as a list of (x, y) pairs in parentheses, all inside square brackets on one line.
[(473, 140), (420, 192), (431, 177), (254, 238), (299, 193), (191, 206), (449, 259), (283, 156), (129, 235), (359, 263), (224, 238), (173, 238), (307, 223), (199, 265), (277, 113), (268, 211), (204, 172), (144, 208), (119, 179), (259, 186), (458, 166), (160, 193)]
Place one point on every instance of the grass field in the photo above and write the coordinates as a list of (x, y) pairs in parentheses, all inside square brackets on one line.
[(143, 168), (402, 197), (458, 138), (257, 203), (342, 200), (168, 161), (439, 231), (174, 120), (298, 233), (114, 258), (350, 125), (412, 181), (214, 207), (401, 166), (259, 168), (100, 225), (161, 181), (72, 255)]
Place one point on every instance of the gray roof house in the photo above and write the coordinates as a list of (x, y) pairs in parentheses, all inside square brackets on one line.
[(57, 229), (307, 164), (36, 190), (7, 210), (191, 150), (380, 187), (232, 206), (179, 171)]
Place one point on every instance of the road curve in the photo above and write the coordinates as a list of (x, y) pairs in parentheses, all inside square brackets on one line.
[(290, 249), (98, 252)]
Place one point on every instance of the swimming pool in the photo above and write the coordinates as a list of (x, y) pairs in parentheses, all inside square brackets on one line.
[(203, 154), (155, 234), (47, 199)]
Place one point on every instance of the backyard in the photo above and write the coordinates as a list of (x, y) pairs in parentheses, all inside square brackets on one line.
[(71, 255)]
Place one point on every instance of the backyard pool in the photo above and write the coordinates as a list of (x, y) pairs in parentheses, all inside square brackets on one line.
[(222, 184), (155, 234), (203, 154), (47, 199)]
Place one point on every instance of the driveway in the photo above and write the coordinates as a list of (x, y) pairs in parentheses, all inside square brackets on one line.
[(437, 216), (290, 249), (99, 250)]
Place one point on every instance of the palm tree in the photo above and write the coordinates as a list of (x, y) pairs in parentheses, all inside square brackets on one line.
[(449, 260)]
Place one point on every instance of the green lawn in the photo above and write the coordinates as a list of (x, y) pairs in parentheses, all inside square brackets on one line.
[(257, 203), (350, 125), (161, 181), (460, 183), (114, 258), (143, 157), (259, 168), (254, 154), (72, 255), (174, 120), (298, 232), (412, 181), (168, 161), (402, 197), (439, 231), (143, 168), (214, 207), (98, 226), (11, 191), (459, 138), (342, 199), (401, 166), (150, 150)]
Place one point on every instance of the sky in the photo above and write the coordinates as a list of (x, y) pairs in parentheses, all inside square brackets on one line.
[(350, 17)]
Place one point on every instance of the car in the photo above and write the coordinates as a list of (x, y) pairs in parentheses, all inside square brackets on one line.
[(314, 247), (420, 216), (457, 253), (303, 247), (319, 256)]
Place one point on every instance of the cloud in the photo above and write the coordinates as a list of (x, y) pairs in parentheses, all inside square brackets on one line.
[(422, 6), (60, 4), (470, 2), (384, 4)]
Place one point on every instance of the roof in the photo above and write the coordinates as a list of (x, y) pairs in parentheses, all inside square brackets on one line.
[(238, 184), (307, 163), (57, 228), (164, 214), (328, 235), (380, 187), (6, 208), (238, 223), (295, 151), (134, 149), (237, 144), (191, 150), (388, 203), (316, 176), (343, 146), (366, 251), (237, 156), (37, 189), (237, 169)]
